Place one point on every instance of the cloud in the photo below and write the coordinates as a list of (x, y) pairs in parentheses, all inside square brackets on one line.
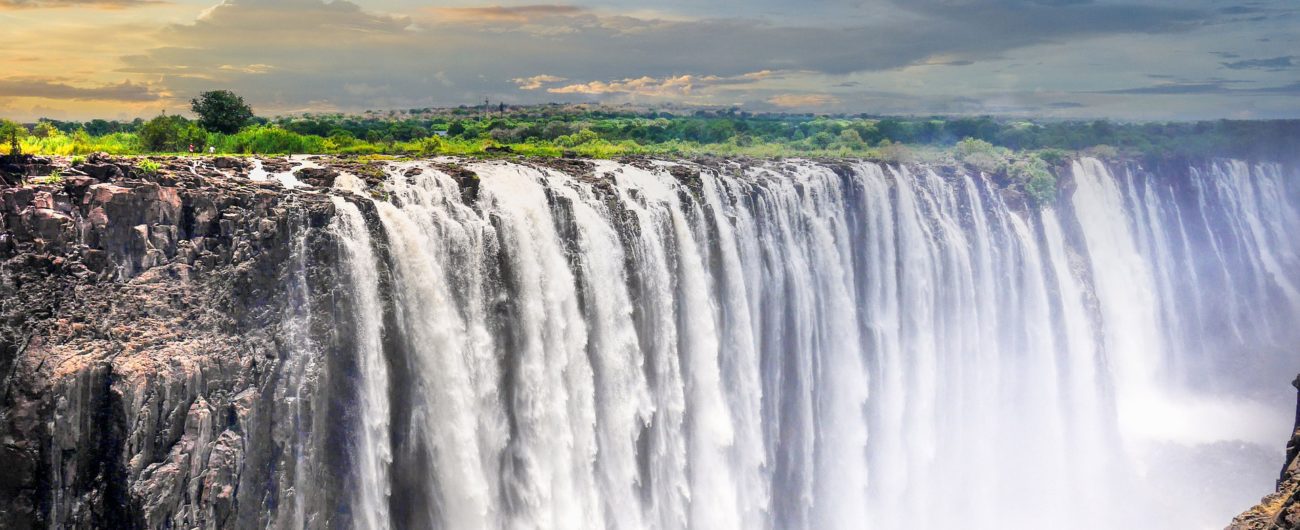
[(646, 86), (803, 100), (125, 91), (1172, 89), (248, 69), (1275, 64), (291, 55), (536, 82), (503, 14), (1207, 87), (103, 4), (643, 86)]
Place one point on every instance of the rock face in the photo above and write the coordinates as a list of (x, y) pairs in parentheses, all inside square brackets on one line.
[(140, 344), (1280, 510)]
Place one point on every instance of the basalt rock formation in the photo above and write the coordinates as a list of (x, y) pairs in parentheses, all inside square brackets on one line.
[(1281, 509), (139, 317)]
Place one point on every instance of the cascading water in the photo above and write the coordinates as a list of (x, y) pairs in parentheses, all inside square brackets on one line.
[(796, 345)]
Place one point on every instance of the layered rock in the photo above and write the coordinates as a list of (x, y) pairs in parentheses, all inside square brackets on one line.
[(1281, 509), (139, 343)]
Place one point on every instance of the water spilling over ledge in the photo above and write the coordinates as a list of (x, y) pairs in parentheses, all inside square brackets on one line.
[(656, 344)]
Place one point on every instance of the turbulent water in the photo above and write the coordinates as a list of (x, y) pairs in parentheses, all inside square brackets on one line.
[(796, 345)]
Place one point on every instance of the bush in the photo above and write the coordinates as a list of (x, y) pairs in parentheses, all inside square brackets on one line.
[(273, 140), (1053, 157), (171, 134), (851, 139), (982, 155), (895, 153), (148, 167), (1033, 175)]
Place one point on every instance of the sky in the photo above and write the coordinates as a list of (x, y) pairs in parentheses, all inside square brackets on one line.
[(1128, 60)]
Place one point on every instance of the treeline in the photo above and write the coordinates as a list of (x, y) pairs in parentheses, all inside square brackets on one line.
[(554, 130)]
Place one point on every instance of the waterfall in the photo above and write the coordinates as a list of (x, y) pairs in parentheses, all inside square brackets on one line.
[(804, 345), (373, 451)]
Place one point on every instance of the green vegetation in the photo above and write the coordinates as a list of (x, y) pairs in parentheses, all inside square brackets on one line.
[(148, 167), (221, 111), (171, 134), (554, 130), (55, 177), (1032, 174), (13, 133), (1022, 151)]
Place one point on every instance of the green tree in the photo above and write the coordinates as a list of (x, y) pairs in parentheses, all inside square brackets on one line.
[(221, 111), (44, 129), (171, 134), (11, 132), (161, 133)]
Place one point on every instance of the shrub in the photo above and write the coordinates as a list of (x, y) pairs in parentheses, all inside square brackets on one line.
[(1053, 157), (895, 153), (1033, 175), (982, 155), (851, 139), (272, 140), (55, 177), (148, 167), (171, 134)]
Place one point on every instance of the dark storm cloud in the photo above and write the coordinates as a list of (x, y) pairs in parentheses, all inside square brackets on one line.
[(1274, 64), (1172, 89), (56, 89), (1241, 10), (1209, 87)]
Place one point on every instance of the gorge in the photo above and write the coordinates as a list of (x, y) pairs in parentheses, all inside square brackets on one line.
[(320, 342)]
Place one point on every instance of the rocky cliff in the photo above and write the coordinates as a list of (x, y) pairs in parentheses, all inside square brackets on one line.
[(1281, 509), (139, 339)]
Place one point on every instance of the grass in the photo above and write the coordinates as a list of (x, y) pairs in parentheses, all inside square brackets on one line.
[(148, 167)]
